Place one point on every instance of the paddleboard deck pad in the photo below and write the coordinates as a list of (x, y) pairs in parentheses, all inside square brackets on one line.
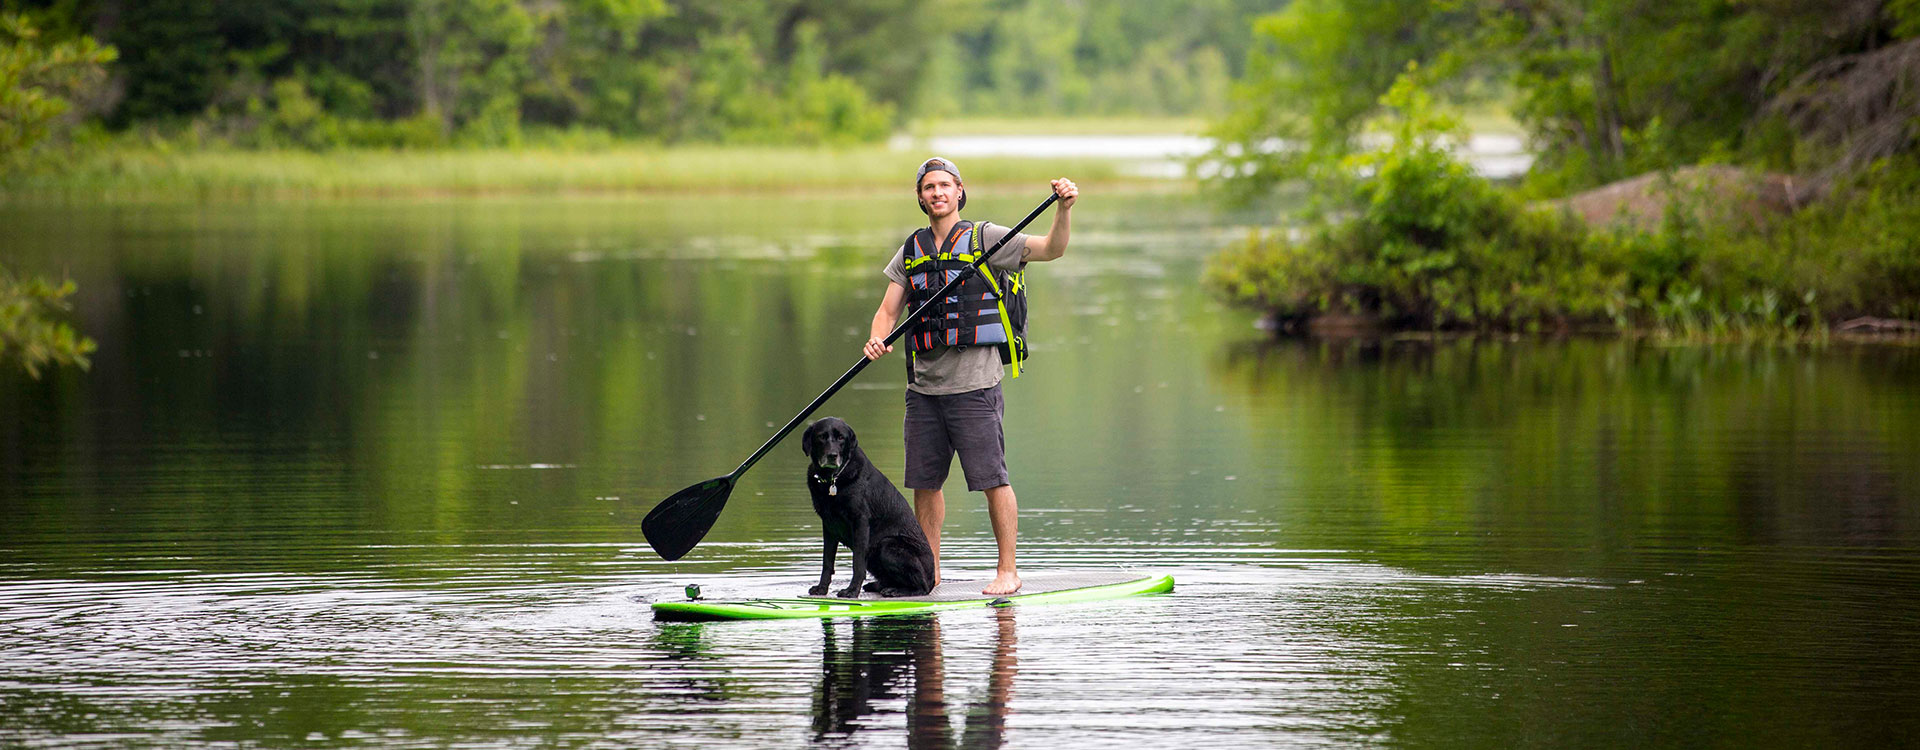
[(1037, 588)]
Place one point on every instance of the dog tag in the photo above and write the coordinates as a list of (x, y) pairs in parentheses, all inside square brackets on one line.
[(833, 489)]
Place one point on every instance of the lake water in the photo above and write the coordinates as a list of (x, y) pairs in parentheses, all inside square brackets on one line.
[(370, 473)]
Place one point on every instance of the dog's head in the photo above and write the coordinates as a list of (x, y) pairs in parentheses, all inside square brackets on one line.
[(829, 443)]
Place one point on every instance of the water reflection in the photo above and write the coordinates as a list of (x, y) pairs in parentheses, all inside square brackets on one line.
[(1611, 449), (699, 676), (869, 663), (378, 468)]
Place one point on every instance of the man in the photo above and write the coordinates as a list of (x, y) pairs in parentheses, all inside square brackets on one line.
[(953, 391)]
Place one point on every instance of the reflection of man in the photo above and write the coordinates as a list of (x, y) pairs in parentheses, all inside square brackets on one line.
[(986, 725), (953, 389), (867, 670)]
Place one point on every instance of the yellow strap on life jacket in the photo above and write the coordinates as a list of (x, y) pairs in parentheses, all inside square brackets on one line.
[(1006, 321), (1014, 344)]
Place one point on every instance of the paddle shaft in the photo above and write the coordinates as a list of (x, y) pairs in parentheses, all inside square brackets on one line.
[(898, 331)]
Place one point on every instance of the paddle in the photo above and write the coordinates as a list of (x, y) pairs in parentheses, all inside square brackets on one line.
[(680, 521)]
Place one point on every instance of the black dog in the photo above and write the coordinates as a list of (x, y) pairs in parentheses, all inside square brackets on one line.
[(859, 508)]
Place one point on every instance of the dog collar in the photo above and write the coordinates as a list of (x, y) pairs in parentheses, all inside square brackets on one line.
[(833, 482)]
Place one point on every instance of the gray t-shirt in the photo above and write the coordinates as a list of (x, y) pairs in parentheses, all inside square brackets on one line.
[(949, 370)]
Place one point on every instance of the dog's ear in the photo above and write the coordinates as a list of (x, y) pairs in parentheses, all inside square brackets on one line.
[(853, 443), (806, 439)]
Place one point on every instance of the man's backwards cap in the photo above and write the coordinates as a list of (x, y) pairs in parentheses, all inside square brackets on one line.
[(937, 164)]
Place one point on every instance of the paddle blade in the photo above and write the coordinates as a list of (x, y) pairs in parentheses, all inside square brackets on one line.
[(679, 522)]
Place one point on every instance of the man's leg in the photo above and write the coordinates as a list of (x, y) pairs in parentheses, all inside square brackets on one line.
[(930, 506), (978, 437), (1003, 510), (929, 456)]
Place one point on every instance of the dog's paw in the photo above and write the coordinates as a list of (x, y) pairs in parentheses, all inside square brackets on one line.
[(820, 590), (871, 586), (849, 592)]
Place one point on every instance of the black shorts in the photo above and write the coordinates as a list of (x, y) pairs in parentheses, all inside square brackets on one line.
[(967, 423)]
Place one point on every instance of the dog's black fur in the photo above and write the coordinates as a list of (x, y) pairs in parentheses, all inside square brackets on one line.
[(859, 508)]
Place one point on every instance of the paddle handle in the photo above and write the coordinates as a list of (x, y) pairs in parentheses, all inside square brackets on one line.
[(898, 331)]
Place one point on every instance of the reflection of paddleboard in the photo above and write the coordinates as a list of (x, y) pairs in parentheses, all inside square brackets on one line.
[(1038, 588)]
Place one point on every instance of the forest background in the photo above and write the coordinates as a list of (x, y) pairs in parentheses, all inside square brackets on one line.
[(422, 73)]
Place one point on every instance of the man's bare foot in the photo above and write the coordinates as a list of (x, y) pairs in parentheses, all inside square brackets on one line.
[(1003, 583)]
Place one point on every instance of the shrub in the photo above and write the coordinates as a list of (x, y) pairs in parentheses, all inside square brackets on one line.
[(1425, 243)]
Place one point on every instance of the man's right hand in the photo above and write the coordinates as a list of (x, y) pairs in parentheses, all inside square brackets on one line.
[(876, 347)]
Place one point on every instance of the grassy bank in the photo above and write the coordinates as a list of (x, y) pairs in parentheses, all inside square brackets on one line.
[(149, 172)]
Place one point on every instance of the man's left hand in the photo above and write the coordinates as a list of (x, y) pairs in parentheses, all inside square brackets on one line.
[(1067, 191)]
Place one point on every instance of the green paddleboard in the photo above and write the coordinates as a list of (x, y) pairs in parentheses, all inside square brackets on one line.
[(1038, 588)]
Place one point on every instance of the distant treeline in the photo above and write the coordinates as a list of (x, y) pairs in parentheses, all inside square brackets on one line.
[(488, 72)]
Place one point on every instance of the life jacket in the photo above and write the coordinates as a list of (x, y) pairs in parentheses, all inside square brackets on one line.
[(989, 308)]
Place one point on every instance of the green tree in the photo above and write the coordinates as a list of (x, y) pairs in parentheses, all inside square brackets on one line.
[(38, 81), (1314, 77), (30, 333), (1119, 57), (355, 56), (589, 66), (825, 107), (472, 57), (173, 57)]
